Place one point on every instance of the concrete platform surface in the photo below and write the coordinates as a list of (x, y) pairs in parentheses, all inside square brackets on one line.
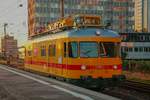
[(20, 85)]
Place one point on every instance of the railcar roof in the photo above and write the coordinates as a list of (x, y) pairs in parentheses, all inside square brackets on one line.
[(88, 32), (82, 32)]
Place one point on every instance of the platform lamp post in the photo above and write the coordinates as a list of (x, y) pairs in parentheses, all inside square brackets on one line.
[(5, 33)]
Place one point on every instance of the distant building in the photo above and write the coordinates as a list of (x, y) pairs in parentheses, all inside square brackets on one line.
[(136, 46), (148, 13), (142, 15), (9, 46), (120, 13)]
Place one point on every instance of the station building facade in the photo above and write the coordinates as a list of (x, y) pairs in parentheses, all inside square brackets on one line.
[(136, 46)]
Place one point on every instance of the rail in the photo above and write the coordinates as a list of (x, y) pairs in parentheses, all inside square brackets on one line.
[(138, 86)]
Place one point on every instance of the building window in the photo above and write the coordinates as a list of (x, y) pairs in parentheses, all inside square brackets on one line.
[(136, 49), (122, 49), (141, 38), (146, 49), (130, 49), (140, 49), (147, 38), (126, 49)]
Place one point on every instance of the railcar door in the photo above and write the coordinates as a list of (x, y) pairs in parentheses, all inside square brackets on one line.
[(29, 58), (65, 59), (49, 60), (52, 58), (61, 57)]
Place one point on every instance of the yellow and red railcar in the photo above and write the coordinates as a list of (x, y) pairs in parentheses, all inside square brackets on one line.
[(87, 55)]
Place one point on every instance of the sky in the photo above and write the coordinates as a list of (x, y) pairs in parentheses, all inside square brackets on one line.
[(16, 17)]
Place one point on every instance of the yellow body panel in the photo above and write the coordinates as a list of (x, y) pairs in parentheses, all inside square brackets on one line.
[(68, 73)]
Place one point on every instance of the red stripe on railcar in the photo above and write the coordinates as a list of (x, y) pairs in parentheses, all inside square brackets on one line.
[(73, 67)]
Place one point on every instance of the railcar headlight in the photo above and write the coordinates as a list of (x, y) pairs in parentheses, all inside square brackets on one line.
[(115, 66), (98, 33), (83, 67)]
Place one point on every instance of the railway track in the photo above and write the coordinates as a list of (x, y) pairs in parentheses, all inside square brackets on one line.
[(137, 86), (129, 90)]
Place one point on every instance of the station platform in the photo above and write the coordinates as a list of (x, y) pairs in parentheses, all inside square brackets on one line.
[(20, 85)]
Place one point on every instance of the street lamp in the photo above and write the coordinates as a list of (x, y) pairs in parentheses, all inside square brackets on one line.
[(5, 25), (4, 44)]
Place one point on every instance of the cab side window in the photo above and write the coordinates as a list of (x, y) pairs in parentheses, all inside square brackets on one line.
[(73, 49)]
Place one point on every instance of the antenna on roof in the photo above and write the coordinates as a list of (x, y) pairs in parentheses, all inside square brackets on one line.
[(108, 24)]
